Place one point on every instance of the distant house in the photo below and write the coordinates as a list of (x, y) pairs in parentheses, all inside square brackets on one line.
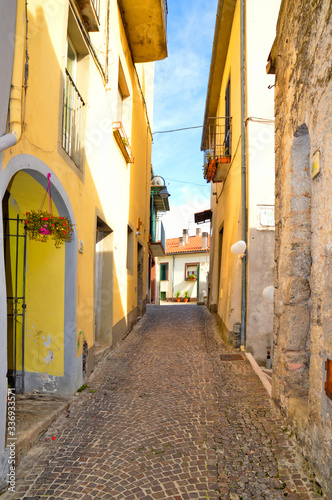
[(184, 268)]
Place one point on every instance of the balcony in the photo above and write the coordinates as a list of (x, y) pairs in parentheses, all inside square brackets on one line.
[(217, 148), (72, 121), (123, 141), (90, 11), (157, 239), (145, 24)]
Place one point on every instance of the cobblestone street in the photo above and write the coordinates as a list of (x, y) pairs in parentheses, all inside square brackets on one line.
[(165, 418)]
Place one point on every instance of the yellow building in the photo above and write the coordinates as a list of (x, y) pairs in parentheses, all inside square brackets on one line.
[(78, 106), (239, 162)]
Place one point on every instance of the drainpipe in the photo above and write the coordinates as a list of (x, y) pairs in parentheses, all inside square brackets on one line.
[(173, 278), (243, 180), (15, 98)]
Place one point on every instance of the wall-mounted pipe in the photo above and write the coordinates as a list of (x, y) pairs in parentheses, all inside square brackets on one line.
[(15, 98), (243, 179)]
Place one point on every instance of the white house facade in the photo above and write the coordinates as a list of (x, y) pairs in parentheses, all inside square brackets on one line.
[(183, 272)]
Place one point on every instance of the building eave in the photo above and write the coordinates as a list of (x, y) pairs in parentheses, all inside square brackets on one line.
[(222, 33)]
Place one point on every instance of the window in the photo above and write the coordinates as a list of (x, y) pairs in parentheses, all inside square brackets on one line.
[(191, 271), (122, 126), (164, 271), (130, 249), (124, 101), (227, 117), (72, 118)]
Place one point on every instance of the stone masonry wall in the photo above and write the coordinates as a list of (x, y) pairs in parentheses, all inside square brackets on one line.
[(303, 253)]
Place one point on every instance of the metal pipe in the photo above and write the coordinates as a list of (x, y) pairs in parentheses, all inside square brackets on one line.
[(173, 278), (15, 99), (243, 179)]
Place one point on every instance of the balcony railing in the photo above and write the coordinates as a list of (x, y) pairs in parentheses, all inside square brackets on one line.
[(123, 141), (72, 121), (217, 146)]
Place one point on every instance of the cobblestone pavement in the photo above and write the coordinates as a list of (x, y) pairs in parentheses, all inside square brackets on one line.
[(166, 418)]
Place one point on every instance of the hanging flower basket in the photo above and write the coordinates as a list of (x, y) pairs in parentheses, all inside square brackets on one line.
[(40, 224)]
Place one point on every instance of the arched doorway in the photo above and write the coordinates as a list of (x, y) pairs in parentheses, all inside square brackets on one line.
[(41, 288)]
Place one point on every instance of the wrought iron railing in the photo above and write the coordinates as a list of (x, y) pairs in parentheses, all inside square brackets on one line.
[(217, 138), (72, 121)]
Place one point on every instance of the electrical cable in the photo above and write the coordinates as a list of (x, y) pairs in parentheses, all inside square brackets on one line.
[(186, 182), (176, 130)]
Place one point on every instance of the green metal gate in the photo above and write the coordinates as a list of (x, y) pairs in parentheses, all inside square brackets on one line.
[(15, 252)]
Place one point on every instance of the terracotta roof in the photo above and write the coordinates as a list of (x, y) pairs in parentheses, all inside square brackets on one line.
[(194, 245)]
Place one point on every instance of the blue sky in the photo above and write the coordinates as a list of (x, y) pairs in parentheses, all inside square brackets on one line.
[(179, 101)]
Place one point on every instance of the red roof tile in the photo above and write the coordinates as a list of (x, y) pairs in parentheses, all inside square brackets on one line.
[(194, 245)]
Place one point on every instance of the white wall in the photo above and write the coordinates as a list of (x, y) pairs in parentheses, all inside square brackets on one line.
[(176, 276)]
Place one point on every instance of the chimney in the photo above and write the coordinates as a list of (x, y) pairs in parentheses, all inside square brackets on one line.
[(185, 236), (198, 231), (205, 239), (181, 241)]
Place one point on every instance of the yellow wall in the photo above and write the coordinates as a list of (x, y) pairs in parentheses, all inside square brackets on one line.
[(45, 272), (226, 213), (118, 192)]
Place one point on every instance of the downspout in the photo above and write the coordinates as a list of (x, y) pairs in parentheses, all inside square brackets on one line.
[(173, 278), (243, 180), (15, 98)]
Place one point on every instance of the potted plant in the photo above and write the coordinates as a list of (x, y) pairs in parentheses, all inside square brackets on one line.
[(41, 224), (191, 277), (177, 295), (186, 295)]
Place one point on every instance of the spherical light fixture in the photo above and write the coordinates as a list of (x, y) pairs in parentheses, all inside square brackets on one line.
[(239, 247), (268, 294)]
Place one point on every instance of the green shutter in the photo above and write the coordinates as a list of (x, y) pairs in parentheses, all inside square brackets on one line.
[(163, 272)]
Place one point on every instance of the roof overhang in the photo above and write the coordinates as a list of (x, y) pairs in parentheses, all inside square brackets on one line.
[(222, 33), (145, 24), (271, 60), (160, 204), (202, 217), (157, 249)]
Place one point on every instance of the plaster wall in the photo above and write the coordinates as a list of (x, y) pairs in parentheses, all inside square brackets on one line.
[(225, 273), (105, 181), (261, 20), (226, 269), (303, 296), (176, 276)]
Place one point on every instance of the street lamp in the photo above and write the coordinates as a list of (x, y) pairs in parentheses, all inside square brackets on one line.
[(163, 193)]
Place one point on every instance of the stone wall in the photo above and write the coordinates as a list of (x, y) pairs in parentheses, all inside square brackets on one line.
[(302, 55)]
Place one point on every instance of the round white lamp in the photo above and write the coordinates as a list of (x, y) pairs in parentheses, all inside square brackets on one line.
[(268, 294), (239, 247)]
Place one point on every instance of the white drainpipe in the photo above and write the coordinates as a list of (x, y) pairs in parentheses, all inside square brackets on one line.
[(15, 98)]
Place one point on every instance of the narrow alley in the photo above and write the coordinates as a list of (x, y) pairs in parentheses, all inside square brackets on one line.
[(164, 417)]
